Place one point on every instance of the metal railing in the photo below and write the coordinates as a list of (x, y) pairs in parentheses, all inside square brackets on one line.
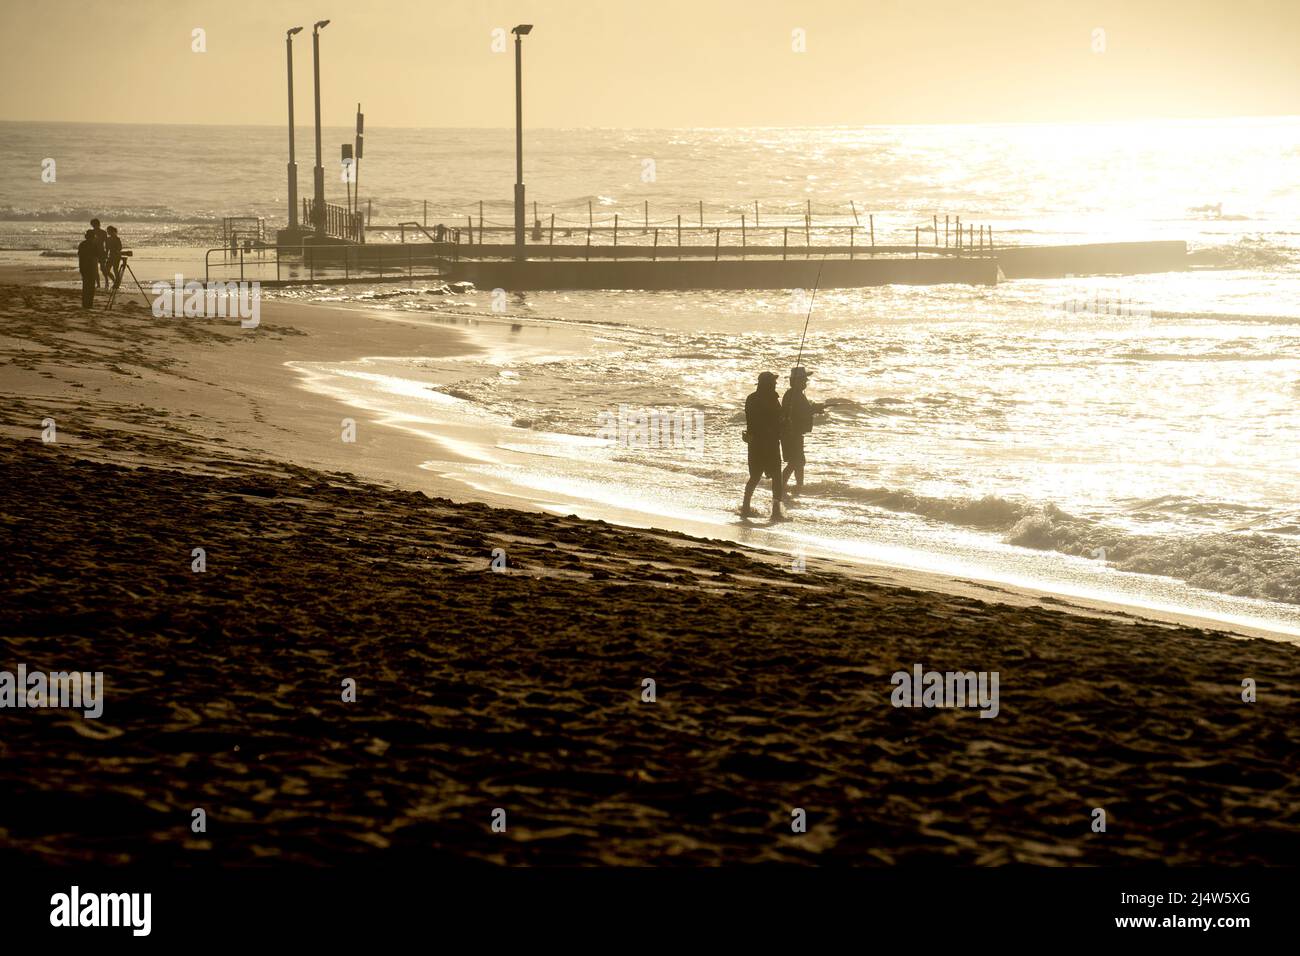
[(381, 260), (337, 222), (936, 237), (753, 220), (324, 261), (449, 234), (239, 229)]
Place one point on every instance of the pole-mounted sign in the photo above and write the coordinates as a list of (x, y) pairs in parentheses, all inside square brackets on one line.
[(356, 169)]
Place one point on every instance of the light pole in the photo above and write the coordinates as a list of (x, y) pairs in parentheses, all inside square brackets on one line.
[(293, 165), (520, 32), (318, 207)]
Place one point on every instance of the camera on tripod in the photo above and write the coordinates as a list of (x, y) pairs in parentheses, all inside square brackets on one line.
[(124, 268)]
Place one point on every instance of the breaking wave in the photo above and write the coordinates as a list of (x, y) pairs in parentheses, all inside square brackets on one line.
[(133, 213), (1256, 563), (1248, 253)]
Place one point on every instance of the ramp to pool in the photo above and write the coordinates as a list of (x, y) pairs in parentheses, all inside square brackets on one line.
[(1102, 258)]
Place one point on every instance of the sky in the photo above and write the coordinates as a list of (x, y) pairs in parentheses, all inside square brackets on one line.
[(652, 63)]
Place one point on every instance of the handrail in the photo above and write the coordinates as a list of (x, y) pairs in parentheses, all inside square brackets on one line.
[(262, 247), (416, 225), (795, 214), (937, 236), (309, 252), (337, 222)]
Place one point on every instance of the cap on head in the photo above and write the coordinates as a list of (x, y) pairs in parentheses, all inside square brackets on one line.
[(765, 378), (798, 374)]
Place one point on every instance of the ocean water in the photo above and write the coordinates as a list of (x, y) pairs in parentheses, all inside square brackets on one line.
[(1133, 438)]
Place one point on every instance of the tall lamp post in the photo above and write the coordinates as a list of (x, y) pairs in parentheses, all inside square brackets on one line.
[(318, 207), (520, 32), (293, 165)]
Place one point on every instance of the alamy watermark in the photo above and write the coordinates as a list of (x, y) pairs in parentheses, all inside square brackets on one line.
[(209, 300), (635, 426), (921, 688), (79, 690), (75, 908), (1103, 303)]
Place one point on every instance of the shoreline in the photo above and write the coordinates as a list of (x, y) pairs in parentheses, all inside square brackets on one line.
[(250, 398), (904, 567)]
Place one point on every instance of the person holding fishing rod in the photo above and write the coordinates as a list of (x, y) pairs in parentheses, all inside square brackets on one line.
[(773, 425), (797, 411), (797, 421)]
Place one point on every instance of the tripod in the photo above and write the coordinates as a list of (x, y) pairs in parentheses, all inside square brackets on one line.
[(124, 266)]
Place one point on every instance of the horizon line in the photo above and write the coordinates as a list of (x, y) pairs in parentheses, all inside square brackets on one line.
[(1077, 122)]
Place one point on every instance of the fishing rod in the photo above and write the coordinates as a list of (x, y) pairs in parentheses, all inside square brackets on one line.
[(808, 319)]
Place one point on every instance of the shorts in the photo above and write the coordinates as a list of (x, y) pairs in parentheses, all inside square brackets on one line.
[(792, 450), (764, 459)]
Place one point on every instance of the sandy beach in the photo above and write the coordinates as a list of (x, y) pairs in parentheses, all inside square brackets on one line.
[(521, 687)]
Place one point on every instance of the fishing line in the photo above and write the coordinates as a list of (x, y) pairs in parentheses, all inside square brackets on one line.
[(816, 284)]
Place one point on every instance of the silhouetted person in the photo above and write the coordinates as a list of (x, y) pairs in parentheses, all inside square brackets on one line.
[(101, 245), (114, 255), (798, 422), (763, 418), (88, 263)]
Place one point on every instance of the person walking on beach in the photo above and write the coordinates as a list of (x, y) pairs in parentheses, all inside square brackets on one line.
[(113, 249), (798, 421), (88, 263), (763, 418), (101, 245)]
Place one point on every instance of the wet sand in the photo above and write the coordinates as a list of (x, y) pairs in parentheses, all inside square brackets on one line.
[(521, 688)]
